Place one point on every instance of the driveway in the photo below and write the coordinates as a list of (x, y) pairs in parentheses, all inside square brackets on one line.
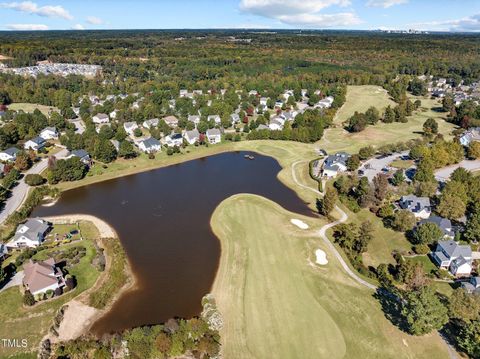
[(20, 191), (15, 281), (374, 166), (443, 174)]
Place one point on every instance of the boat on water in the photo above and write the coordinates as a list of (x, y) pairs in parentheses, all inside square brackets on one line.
[(249, 157)]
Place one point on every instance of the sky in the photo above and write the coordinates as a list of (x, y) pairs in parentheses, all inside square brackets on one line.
[(430, 15)]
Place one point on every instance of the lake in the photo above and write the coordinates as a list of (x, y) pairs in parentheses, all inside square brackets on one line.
[(163, 220)]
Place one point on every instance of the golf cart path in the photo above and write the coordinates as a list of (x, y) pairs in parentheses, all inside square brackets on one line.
[(353, 275)]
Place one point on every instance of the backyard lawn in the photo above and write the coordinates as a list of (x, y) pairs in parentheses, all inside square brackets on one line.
[(30, 107), (276, 303)]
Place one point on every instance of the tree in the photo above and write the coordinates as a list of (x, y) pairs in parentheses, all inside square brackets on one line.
[(127, 150), (425, 171), (464, 306), (23, 161), (451, 206), (380, 185), (469, 338), (398, 177), (427, 233), (34, 179), (430, 127), (417, 87), (413, 275), (473, 150), (28, 298), (326, 204), (353, 163), (11, 178), (423, 311), (163, 343), (71, 169), (366, 152), (472, 229), (137, 132), (389, 115), (104, 151), (372, 115), (403, 220)]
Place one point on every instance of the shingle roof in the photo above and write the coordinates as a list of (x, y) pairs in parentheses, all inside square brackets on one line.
[(454, 250), (151, 142), (39, 275)]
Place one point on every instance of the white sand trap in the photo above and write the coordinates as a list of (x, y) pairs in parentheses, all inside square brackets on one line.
[(300, 224), (321, 257)]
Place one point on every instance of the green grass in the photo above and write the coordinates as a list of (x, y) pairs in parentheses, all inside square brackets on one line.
[(338, 139), (402, 164), (30, 107), (425, 261), (32, 323), (277, 304), (360, 99)]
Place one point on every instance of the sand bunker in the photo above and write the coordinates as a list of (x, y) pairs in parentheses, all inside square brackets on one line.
[(300, 224), (321, 257)]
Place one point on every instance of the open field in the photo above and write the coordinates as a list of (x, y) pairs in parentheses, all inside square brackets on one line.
[(360, 98), (34, 322), (295, 309), (338, 139), (30, 107)]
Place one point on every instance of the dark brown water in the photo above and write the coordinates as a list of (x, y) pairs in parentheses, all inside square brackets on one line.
[(163, 220)]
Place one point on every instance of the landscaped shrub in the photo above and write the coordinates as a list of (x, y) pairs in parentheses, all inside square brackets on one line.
[(34, 180), (28, 298)]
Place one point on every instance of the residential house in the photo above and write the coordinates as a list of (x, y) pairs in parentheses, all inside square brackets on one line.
[(456, 258), (175, 139), (234, 118), (35, 144), (100, 118), (263, 127), (214, 136), (172, 121), (253, 93), (49, 133), (472, 286), (43, 276), (9, 155), (276, 124), (444, 224), (151, 123), (150, 145), (83, 155), (192, 136), (101, 125), (419, 206), (335, 164), (325, 103), (215, 118), (29, 234), (195, 119), (113, 114), (115, 144), (183, 93), (264, 101), (130, 127), (470, 136)]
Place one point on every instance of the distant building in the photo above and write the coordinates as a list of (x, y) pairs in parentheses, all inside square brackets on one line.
[(456, 258), (100, 118), (150, 123), (214, 136), (470, 136), (335, 164), (35, 144), (41, 277), (172, 121), (472, 286), (49, 133), (419, 206), (9, 155), (130, 127), (215, 118), (194, 118), (29, 234), (83, 155)]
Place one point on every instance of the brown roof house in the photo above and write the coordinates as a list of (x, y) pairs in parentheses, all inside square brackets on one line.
[(39, 277)]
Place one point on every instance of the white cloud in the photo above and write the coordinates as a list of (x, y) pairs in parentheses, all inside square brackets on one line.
[(385, 3), (32, 8), (27, 27), (94, 20), (470, 23), (301, 13), (78, 27)]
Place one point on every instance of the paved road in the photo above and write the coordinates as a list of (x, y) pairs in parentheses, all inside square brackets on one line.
[(443, 174), (374, 166), (14, 281), (352, 274), (20, 191)]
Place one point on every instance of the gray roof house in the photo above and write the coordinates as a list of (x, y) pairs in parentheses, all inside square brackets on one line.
[(472, 286), (194, 118), (35, 143), (454, 257), (234, 118), (9, 154), (192, 136), (29, 234), (444, 224), (470, 136), (82, 154), (214, 135), (334, 164), (419, 206), (150, 145)]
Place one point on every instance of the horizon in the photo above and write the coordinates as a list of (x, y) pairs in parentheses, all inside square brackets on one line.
[(354, 15)]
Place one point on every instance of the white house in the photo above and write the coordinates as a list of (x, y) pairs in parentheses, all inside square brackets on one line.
[(334, 164), (130, 127), (192, 136), (194, 118), (9, 154), (29, 234), (325, 103), (40, 277), (456, 258), (150, 145), (172, 121), (215, 118), (275, 124), (49, 133), (419, 206), (35, 144), (264, 101), (151, 123), (470, 136), (234, 118), (214, 136), (113, 114), (100, 118), (175, 139)]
